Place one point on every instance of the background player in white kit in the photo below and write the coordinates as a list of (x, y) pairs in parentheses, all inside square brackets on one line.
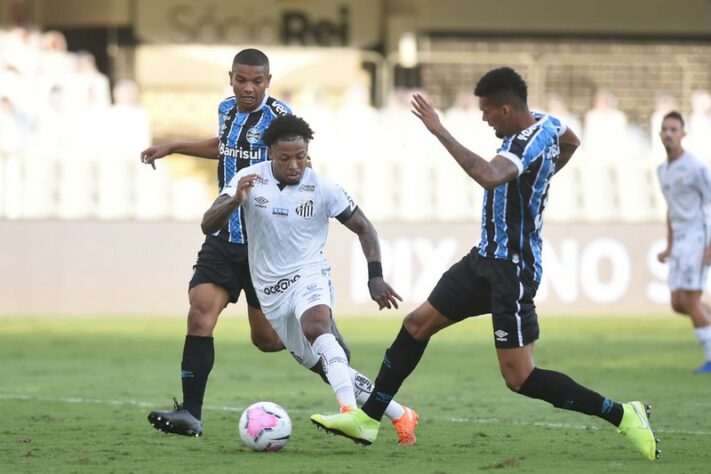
[(686, 184), (286, 208)]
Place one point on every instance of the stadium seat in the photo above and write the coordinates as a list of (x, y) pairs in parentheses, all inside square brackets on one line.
[(76, 189), (114, 189), (39, 187), (597, 191), (151, 191), (564, 203), (190, 199), (634, 180)]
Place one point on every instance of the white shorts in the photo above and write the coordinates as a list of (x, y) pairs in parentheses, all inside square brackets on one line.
[(686, 268), (307, 292)]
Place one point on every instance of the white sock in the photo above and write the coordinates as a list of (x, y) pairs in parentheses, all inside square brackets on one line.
[(704, 335), (335, 365), (363, 386)]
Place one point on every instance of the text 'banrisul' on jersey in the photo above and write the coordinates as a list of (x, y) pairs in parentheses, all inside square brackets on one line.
[(241, 145)]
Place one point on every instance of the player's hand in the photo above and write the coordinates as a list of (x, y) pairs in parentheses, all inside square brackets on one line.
[(245, 185), (423, 109), (707, 256), (150, 155), (383, 294), (664, 255)]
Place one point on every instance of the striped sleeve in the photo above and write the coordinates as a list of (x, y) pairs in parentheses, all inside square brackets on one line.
[(524, 148), (557, 123)]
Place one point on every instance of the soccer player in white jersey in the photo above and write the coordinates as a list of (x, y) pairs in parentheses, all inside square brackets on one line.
[(686, 185), (286, 208), (221, 272)]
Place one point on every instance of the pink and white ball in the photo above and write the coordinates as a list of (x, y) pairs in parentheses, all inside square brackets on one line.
[(265, 426)]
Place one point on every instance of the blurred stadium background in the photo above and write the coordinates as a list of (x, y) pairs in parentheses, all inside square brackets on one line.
[(85, 85)]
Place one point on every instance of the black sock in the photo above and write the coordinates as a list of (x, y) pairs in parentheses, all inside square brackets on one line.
[(400, 360), (198, 357), (563, 392)]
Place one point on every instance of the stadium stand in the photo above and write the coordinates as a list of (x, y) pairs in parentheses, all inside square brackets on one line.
[(67, 152)]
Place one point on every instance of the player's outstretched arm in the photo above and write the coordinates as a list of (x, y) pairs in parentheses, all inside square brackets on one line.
[(569, 142), (488, 174), (202, 149), (380, 291), (231, 198)]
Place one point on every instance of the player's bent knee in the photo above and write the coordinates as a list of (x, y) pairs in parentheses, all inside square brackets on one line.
[(418, 327), (513, 382), (201, 322), (267, 344), (680, 305), (314, 329), (679, 309)]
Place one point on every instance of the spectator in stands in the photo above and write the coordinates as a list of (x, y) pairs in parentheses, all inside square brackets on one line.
[(557, 106), (127, 132), (92, 87), (56, 61), (697, 140), (463, 118), (316, 111), (605, 127), (14, 138)]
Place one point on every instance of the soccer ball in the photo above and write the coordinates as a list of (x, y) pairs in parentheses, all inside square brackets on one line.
[(265, 426)]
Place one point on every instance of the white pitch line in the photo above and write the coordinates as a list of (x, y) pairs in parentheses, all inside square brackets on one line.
[(473, 421)]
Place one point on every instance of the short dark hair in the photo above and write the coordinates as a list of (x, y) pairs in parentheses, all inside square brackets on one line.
[(675, 115), (287, 127), (251, 57), (503, 85)]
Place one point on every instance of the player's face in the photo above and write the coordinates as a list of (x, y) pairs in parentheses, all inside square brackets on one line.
[(289, 159), (671, 133), (249, 84), (496, 115)]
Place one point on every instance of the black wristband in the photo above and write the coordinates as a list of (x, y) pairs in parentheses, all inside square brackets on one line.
[(375, 269)]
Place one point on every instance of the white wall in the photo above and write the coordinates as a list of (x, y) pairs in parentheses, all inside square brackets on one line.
[(139, 268)]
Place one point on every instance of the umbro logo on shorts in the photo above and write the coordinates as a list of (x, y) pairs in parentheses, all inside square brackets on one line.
[(501, 335)]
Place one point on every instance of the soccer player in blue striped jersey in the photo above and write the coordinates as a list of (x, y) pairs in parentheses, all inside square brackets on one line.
[(502, 274), (221, 272)]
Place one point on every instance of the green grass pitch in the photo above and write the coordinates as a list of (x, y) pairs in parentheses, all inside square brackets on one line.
[(75, 394)]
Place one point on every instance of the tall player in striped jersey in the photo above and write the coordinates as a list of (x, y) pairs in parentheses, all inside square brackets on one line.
[(287, 208), (502, 274), (686, 185), (222, 272)]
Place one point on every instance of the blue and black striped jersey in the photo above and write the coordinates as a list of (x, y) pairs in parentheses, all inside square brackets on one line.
[(241, 145), (512, 216)]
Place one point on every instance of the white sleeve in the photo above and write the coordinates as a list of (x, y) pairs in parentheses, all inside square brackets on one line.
[(337, 199), (704, 183)]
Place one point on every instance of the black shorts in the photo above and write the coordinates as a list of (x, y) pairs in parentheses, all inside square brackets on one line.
[(224, 264), (480, 285)]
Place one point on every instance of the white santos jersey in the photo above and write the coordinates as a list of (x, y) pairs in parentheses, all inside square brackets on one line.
[(287, 229), (686, 185)]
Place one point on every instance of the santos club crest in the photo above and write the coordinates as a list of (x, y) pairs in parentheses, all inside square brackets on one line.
[(306, 209)]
